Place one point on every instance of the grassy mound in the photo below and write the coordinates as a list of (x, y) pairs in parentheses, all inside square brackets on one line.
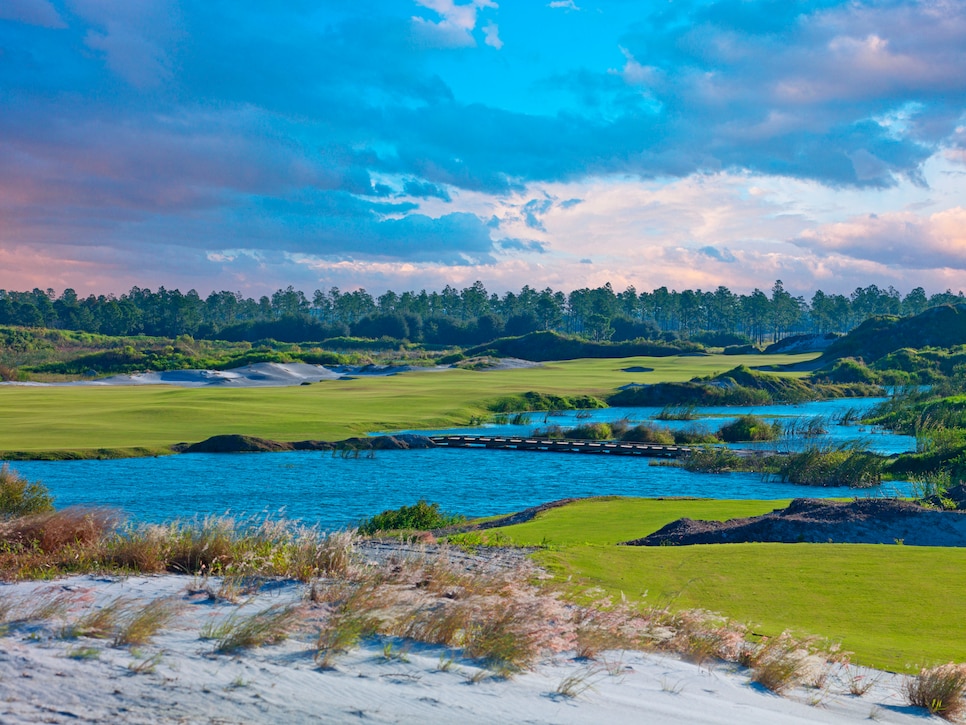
[(942, 327), (739, 386), (543, 346)]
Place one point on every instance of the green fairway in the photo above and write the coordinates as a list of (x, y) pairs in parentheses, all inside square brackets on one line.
[(894, 607), (34, 419), (612, 520)]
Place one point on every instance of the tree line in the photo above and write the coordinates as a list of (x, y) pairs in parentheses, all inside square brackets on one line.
[(467, 316)]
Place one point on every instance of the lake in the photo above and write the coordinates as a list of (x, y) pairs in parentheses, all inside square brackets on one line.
[(331, 491)]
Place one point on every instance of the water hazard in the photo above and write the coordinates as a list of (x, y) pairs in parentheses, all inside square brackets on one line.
[(334, 492)]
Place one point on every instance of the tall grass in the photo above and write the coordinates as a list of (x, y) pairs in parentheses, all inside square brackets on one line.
[(268, 626), (826, 464), (678, 412), (940, 690), (140, 626)]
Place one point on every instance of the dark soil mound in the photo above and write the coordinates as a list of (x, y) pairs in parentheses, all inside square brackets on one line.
[(864, 521), (252, 444), (236, 444)]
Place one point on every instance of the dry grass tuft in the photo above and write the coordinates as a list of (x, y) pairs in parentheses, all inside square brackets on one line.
[(99, 622), (268, 626), (66, 540), (778, 663), (940, 690), (139, 627), (701, 637)]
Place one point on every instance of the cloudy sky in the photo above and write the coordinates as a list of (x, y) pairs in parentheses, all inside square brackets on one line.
[(407, 144)]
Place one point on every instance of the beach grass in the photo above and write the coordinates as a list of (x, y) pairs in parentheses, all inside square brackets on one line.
[(135, 420)]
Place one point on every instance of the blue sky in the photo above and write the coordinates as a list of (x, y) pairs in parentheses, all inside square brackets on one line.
[(406, 144)]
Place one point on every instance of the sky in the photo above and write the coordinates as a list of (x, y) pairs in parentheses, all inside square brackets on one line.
[(407, 144)]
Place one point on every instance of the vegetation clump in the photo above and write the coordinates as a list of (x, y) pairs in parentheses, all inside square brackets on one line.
[(830, 465), (591, 432), (940, 690), (533, 401), (749, 428), (20, 497), (421, 516), (649, 433)]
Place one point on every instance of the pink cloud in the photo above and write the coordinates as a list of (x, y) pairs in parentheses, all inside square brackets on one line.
[(899, 239)]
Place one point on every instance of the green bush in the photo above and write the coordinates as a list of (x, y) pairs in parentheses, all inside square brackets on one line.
[(533, 401), (591, 432), (648, 433), (19, 497), (421, 516), (749, 428)]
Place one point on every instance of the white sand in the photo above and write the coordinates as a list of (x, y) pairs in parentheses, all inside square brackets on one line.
[(41, 682), (260, 375)]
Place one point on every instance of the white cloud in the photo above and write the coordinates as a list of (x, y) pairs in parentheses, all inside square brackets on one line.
[(564, 4), (492, 33), (901, 239), (456, 24)]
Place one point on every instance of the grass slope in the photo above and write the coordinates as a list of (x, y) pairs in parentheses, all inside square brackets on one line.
[(37, 419), (894, 607)]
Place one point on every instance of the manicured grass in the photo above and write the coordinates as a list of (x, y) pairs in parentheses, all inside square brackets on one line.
[(610, 520), (894, 607), (86, 418)]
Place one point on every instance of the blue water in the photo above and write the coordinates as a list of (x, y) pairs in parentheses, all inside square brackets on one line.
[(711, 419), (334, 492), (319, 488)]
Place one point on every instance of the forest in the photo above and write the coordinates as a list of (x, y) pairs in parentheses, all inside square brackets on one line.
[(469, 316)]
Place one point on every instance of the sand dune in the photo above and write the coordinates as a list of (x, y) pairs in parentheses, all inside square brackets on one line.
[(178, 678), (267, 375)]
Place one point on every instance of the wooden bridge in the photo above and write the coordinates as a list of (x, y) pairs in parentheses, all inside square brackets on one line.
[(553, 445)]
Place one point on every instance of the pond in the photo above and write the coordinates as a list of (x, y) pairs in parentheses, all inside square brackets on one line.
[(335, 492)]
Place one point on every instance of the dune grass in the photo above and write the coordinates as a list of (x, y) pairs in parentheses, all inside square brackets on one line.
[(82, 420), (879, 601)]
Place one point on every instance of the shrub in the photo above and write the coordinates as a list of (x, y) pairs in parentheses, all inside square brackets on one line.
[(591, 432), (421, 516), (648, 433), (939, 689), (749, 428), (695, 435), (20, 497)]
